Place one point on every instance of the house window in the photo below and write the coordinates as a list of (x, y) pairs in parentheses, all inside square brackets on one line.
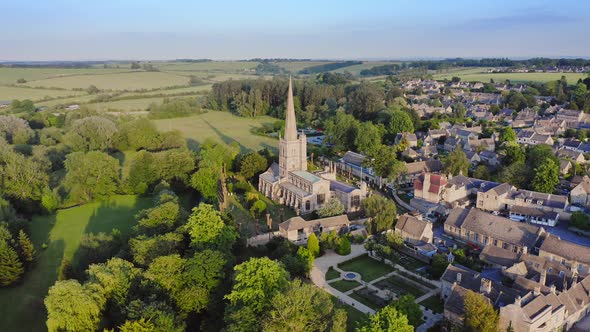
[(550, 270), (321, 198), (307, 205), (537, 265), (495, 243), (505, 245), (561, 273), (476, 237), (355, 201), (563, 261)]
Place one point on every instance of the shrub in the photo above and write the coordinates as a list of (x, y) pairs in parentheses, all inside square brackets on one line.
[(343, 247)]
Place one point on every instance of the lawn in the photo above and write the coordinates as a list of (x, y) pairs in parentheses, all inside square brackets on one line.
[(368, 268), (344, 285), (115, 81), (224, 127), (401, 287), (434, 303), (22, 305), (371, 301), (332, 274)]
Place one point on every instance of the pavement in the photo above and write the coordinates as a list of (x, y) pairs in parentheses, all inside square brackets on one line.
[(331, 259)]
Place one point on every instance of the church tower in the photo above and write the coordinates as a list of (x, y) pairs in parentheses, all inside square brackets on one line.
[(292, 149)]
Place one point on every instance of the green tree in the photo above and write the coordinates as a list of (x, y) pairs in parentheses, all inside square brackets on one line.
[(137, 134), (508, 135), (399, 122), (385, 163), (207, 229), (23, 178), (365, 100), (546, 177), (145, 249), (159, 313), (388, 319), (91, 175), (91, 134), (459, 111), (407, 305), (313, 245), (537, 155), (11, 268), (26, 248), (480, 316), (369, 137), (175, 164), (333, 207), (381, 211), (303, 307), (513, 153), (159, 219), (256, 282), (342, 130), (143, 173), (258, 208), (580, 220), (205, 180), (343, 246), (482, 172), (141, 325), (188, 282), (457, 162), (116, 277), (439, 265), (74, 307), (252, 164)]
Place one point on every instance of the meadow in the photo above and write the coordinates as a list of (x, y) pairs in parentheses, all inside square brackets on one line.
[(223, 127), (22, 305), (12, 92), (478, 75)]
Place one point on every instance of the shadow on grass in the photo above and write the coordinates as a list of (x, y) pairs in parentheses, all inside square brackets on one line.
[(226, 139)]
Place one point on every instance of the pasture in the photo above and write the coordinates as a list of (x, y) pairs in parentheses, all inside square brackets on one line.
[(11, 75), (22, 305), (223, 127), (478, 75), (11, 93)]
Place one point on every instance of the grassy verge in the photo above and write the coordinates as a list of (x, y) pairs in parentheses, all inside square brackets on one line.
[(22, 305), (368, 268)]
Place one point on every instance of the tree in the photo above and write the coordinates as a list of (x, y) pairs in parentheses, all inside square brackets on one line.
[(175, 164), (91, 134), (11, 268), (459, 111), (91, 175), (145, 249), (385, 163), (303, 307), (188, 282), (23, 178), (92, 90), (366, 100), (480, 316), (343, 248), (388, 319), (407, 305), (26, 248), (482, 172), (256, 282), (141, 325), (369, 137), (143, 173), (138, 134), (457, 162), (205, 181), (546, 177), (207, 229), (513, 153), (333, 207), (252, 164), (538, 155), (159, 313), (399, 122), (159, 219), (508, 135), (382, 212), (135, 65), (15, 130), (313, 245), (342, 130), (580, 220), (258, 208), (439, 265), (73, 307)]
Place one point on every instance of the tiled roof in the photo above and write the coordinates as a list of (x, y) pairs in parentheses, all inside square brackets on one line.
[(307, 176), (411, 225), (568, 250), (297, 222)]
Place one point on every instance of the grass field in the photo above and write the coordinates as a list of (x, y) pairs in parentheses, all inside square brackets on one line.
[(121, 81), (22, 305), (11, 93), (11, 75), (356, 69), (478, 75), (332, 274), (368, 268), (211, 66), (222, 126), (344, 285), (128, 104)]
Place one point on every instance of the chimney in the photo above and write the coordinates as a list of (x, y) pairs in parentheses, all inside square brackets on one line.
[(543, 277), (537, 291), (574, 278), (458, 278), (525, 250), (553, 289), (518, 301), (486, 286)]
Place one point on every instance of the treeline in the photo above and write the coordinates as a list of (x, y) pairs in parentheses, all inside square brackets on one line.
[(269, 68), (328, 67), (499, 62)]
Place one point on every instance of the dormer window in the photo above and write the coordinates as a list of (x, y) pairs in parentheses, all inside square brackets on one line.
[(540, 202)]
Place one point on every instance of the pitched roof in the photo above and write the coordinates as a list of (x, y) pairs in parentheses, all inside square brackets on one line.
[(297, 223), (353, 158), (412, 225), (307, 176), (497, 255), (568, 250)]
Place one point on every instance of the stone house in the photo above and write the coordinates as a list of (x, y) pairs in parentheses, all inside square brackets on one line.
[(581, 193), (415, 169), (575, 156), (574, 256), (489, 157), (298, 229), (530, 137), (410, 137)]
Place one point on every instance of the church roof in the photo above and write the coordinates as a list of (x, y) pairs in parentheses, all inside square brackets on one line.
[(290, 120), (307, 176), (341, 186)]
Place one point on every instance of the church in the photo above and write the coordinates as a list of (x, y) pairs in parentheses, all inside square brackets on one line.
[(290, 183)]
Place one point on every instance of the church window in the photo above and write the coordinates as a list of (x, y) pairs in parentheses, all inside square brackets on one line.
[(307, 205), (321, 198)]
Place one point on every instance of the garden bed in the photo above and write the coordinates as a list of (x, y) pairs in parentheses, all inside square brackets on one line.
[(400, 287), (366, 297)]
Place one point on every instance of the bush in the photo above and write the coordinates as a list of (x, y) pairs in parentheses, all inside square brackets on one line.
[(343, 247), (580, 220)]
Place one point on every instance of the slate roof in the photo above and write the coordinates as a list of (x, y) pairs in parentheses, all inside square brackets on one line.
[(568, 250), (297, 223), (500, 256), (412, 225), (353, 158), (341, 187), (307, 176), (551, 200), (533, 212)]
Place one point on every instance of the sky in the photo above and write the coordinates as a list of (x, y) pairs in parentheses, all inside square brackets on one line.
[(318, 29)]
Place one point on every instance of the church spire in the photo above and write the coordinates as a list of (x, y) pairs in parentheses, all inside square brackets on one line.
[(290, 121)]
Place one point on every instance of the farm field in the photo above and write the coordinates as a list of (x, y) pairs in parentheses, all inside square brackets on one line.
[(127, 104), (11, 75), (122, 81), (22, 305), (477, 75), (210, 66), (296, 66), (222, 126), (10, 93)]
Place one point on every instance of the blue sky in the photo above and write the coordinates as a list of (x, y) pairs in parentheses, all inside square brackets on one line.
[(218, 29)]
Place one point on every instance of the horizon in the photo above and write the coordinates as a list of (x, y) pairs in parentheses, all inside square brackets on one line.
[(233, 31)]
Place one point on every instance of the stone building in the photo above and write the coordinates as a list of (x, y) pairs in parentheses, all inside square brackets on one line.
[(291, 184), (574, 256), (298, 229)]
